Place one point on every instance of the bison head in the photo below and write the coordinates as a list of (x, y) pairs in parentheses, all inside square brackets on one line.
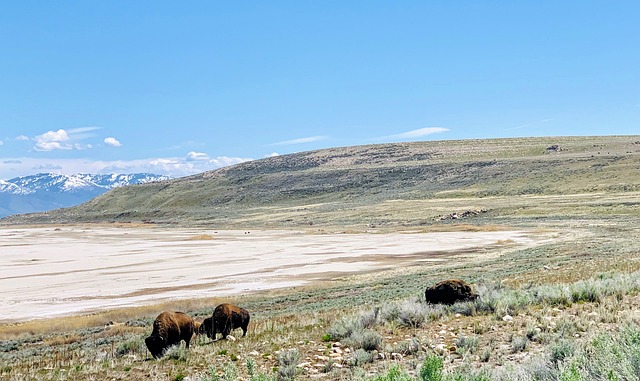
[(207, 327), (156, 345)]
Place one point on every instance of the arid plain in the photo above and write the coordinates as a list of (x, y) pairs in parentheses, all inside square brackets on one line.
[(49, 272)]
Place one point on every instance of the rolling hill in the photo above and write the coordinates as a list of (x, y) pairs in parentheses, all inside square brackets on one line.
[(382, 185)]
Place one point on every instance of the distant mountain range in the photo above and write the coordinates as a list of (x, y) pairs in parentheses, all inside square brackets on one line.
[(47, 191)]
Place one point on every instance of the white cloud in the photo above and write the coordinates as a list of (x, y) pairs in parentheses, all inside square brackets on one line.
[(300, 141), (1, 142), (51, 146), (274, 154), (174, 167), (113, 142), (47, 167), (63, 139), (197, 156), (52, 140), (22, 138)]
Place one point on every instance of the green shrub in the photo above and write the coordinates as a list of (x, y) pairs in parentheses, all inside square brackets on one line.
[(176, 353), (431, 369), (360, 357), (561, 350), (369, 319), (586, 291), (519, 344), (408, 347), (134, 345), (288, 362), (468, 308), (345, 327), (557, 295), (366, 339), (414, 314), (467, 344), (395, 373), (571, 374)]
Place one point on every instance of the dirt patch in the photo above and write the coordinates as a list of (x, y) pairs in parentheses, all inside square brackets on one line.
[(201, 237)]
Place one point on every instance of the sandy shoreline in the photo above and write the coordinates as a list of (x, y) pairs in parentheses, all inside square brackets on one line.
[(49, 272)]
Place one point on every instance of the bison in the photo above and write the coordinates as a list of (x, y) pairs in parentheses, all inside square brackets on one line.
[(169, 329), (225, 318), (449, 291)]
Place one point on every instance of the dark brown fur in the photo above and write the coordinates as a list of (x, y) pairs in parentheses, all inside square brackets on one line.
[(169, 329), (449, 291), (225, 318)]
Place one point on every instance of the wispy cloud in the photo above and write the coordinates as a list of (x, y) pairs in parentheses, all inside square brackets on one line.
[(309, 139), (517, 127), (197, 156), (113, 142), (530, 124), (81, 130), (413, 134), (1, 142)]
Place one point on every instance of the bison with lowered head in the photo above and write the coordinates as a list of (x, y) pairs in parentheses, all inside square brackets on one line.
[(449, 291), (225, 318), (169, 329)]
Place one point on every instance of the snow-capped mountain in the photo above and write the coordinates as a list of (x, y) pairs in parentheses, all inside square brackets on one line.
[(46, 191), (10, 188)]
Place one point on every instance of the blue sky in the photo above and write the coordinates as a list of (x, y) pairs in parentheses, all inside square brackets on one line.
[(182, 87)]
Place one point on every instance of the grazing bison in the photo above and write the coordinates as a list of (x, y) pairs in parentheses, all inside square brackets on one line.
[(225, 318), (449, 291), (169, 329)]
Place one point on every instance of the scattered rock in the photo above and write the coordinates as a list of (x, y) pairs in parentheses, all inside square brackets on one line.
[(553, 148), (335, 355), (465, 214), (441, 348), (396, 356), (507, 318)]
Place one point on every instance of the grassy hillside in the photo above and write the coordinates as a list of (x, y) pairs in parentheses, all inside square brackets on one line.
[(376, 184)]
